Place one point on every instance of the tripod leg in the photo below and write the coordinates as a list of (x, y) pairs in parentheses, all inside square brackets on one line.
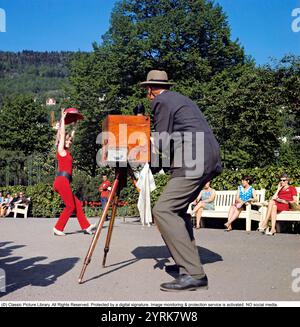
[(91, 249), (110, 228)]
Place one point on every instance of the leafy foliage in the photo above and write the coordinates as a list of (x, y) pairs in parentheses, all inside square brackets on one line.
[(46, 203), (253, 110), (24, 126), (243, 106), (35, 73), (189, 39)]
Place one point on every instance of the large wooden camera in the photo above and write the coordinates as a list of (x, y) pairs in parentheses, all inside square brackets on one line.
[(125, 139)]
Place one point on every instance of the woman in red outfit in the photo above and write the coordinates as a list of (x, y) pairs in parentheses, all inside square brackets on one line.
[(62, 182), (284, 195)]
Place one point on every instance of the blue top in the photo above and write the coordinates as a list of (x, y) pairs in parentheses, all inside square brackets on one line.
[(206, 195), (246, 195)]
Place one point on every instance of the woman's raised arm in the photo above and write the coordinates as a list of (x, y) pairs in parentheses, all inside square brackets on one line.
[(62, 133)]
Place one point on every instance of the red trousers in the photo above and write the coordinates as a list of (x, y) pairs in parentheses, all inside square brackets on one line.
[(63, 188)]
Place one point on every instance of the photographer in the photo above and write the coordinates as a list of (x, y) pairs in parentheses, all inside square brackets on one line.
[(174, 116)]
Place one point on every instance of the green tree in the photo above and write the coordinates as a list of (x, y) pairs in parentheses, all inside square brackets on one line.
[(287, 75), (89, 96), (24, 126), (30, 72), (25, 132), (188, 39), (243, 105)]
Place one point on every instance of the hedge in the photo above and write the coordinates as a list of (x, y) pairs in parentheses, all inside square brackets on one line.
[(46, 203)]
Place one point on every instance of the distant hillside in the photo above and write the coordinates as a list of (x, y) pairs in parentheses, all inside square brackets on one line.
[(38, 73)]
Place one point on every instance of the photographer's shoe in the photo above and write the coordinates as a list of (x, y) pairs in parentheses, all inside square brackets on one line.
[(185, 283)]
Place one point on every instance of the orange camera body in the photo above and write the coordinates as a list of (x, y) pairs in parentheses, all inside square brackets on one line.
[(125, 139)]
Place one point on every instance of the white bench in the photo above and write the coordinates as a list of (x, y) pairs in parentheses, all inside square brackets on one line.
[(225, 199), (283, 215), (21, 208)]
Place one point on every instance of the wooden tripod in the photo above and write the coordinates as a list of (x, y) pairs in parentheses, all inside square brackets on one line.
[(118, 184)]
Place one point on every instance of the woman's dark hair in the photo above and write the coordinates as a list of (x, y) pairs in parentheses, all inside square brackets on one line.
[(248, 179), (285, 175)]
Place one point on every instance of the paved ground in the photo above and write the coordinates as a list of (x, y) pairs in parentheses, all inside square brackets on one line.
[(240, 266)]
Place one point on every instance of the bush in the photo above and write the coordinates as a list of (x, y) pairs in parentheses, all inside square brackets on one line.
[(44, 202), (264, 178), (47, 203)]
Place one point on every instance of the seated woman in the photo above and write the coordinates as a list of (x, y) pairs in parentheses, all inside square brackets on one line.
[(246, 193), (204, 201), (14, 200), (5, 206), (281, 200), (2, 203)]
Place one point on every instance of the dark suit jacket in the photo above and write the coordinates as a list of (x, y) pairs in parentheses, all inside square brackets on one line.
[(183, 132)]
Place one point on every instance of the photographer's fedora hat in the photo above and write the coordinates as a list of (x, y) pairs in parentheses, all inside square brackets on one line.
[(157, 77)]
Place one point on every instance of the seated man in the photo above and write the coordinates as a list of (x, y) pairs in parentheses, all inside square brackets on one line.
[(22, 199)]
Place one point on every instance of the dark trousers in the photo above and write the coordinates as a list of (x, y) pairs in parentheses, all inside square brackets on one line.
[(175, 225), (103, 202)]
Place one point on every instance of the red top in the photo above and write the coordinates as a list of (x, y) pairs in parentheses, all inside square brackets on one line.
[(65, 163), (286, 194), (103, 189)]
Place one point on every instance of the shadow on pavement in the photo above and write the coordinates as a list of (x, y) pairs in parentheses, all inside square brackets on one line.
[(160, 254), (20, 273)]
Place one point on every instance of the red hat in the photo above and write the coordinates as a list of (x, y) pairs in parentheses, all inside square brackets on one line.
[(73, 115)]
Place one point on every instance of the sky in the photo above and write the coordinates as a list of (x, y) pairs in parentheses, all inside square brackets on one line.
[(263, 27)]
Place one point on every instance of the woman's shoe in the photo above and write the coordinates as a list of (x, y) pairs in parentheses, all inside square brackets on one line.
[(269, 233), (228, 228), (57, 232), (89, 230), (261, 229)]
